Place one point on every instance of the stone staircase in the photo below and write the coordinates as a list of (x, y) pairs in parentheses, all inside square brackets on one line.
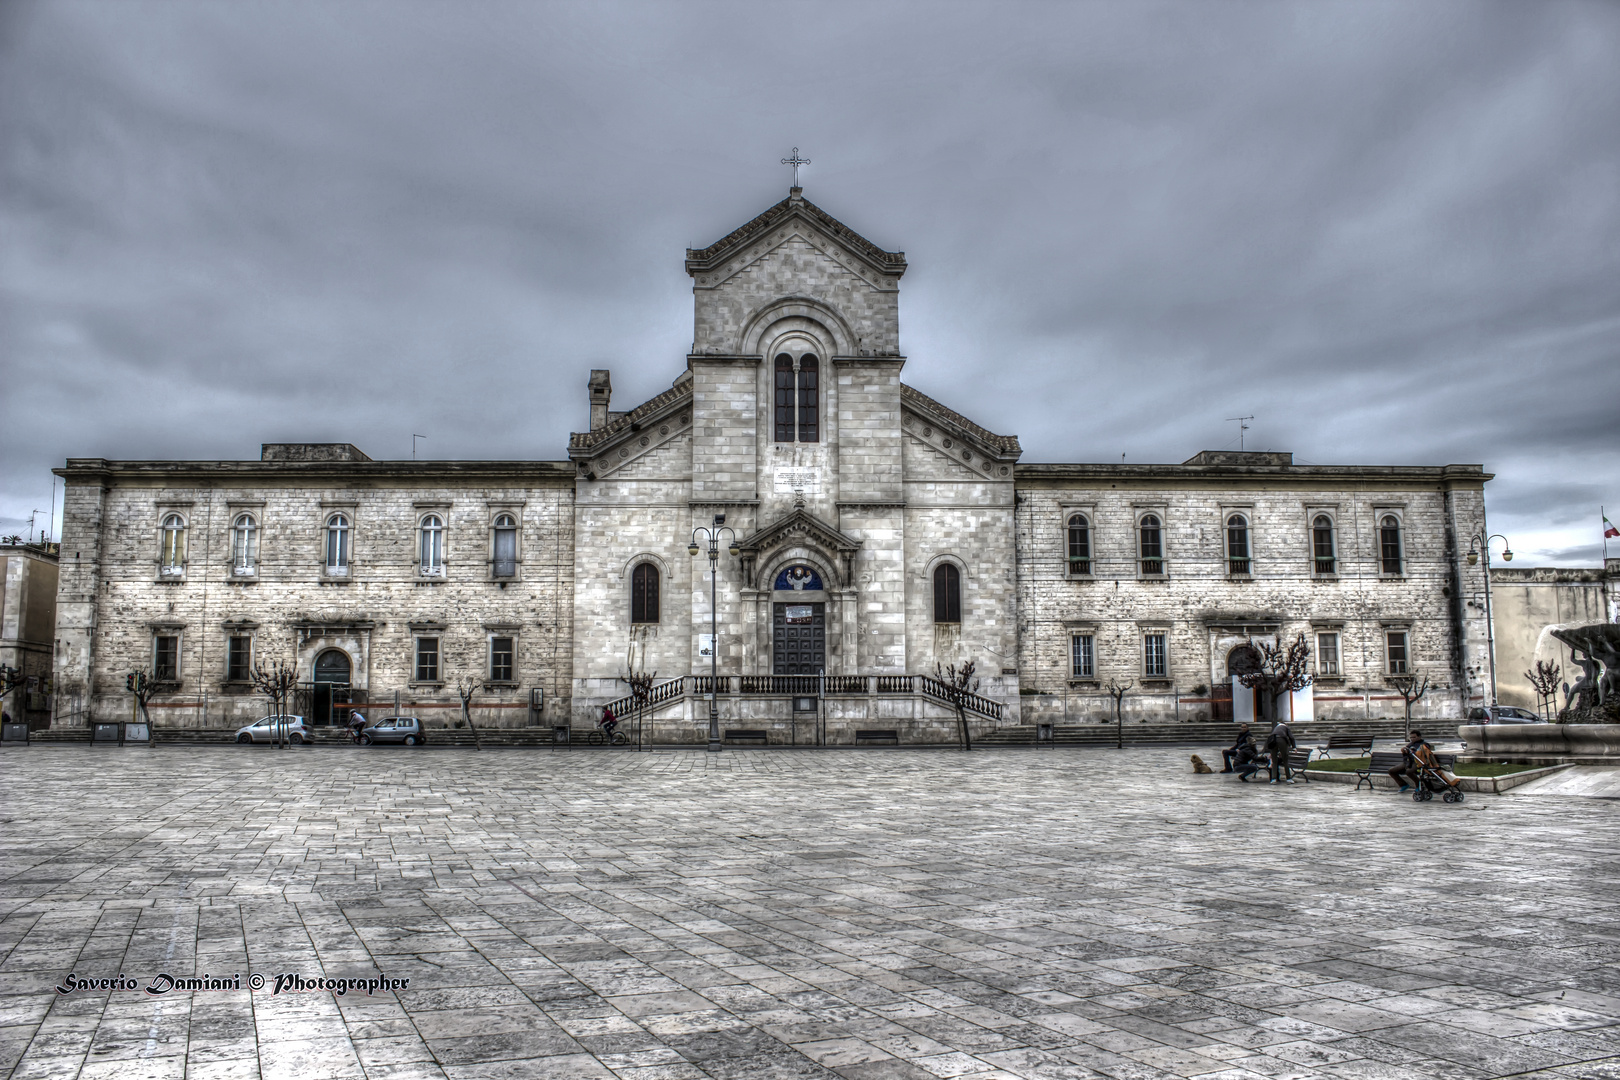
[(1308, 733)]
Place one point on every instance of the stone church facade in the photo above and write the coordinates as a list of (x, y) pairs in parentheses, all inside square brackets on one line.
[(878, 535)]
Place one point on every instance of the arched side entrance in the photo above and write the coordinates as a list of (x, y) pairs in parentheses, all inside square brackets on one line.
[(333, 674), (1248, 706)]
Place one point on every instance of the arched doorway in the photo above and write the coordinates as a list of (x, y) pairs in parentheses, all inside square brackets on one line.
[(1247, 704), (798, 622), (333, 673)]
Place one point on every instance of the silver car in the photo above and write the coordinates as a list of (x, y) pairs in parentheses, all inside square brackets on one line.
[(394, 729), (293, 730), (1503, 714)]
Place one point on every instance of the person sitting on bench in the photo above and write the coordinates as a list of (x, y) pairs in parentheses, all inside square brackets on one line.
[(1248, 761), (1406, 773), (1243, 739)]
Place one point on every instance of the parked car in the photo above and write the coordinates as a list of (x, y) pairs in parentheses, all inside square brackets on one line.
[(293, 730), (1503, 714), (394, 729)]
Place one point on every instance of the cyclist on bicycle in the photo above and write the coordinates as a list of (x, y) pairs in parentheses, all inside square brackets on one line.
[(608, 722)]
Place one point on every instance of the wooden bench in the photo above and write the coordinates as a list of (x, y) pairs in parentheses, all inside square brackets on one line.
[(1382, 762), (1361, 744), (1298, 762), (747, 736), (878, 736)]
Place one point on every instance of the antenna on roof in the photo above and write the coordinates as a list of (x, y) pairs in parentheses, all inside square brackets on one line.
[(1243, 425), (413, 445)]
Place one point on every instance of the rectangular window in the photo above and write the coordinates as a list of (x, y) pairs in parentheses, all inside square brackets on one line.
[(1085, 656), (1397, 650), (1327, 654), (500, 659), (427, 659), (166, 658), (1153, 660), (238, 659)]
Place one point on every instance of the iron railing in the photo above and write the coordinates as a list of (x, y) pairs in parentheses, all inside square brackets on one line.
[(806, 685)]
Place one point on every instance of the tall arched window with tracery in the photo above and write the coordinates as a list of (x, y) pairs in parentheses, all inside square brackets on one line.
[(1151, 540), (1389, 545), (1079, 545), (1237, 544), (173, 554), (338, 543), (431, 553), (644, 594), (505, 546), (798, 398), (1324, 555)]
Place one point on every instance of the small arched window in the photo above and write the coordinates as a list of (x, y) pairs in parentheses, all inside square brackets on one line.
[(1389, 544), (809, 391), (338, 534), (1237, 544), (1079, 545), (431, 554), (244, 544), (784, 398), (505, 546), (644, 594), (174, 545), (947, 593), (1324, 556), (1151, 534)]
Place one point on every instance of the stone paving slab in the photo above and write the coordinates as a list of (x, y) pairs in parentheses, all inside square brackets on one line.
[(906, 914)]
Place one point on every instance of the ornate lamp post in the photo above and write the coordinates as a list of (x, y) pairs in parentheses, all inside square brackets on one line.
[(713, 536), (1478, 543)]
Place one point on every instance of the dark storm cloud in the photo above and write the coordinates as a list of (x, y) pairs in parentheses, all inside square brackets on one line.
[(1391, 232)]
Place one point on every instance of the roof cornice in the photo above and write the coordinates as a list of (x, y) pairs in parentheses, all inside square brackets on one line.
[(87, 470)]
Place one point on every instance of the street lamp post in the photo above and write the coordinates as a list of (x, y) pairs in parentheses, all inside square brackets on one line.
[(712, 534), (1477, 544)]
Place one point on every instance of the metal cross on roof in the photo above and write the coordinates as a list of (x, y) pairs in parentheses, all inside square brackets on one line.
[(795, 161)]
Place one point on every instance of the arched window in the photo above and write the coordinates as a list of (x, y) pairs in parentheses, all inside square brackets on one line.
[(174, 545), (798, 398), (432, 546), (1324, 557), (1079, 545), (338, 533), (644, 594), (1152, 545), (505, 546), (1389, 544), (784, 398), (1237, 544), (809, 391), (244, 545), (947, 593)]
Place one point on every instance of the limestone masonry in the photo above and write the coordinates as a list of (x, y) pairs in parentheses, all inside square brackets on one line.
[(879, 534)]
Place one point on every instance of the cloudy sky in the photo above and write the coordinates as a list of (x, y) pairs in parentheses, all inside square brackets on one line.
[(1391, 232)]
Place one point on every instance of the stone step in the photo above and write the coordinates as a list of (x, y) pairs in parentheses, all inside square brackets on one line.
[(1306, 733)]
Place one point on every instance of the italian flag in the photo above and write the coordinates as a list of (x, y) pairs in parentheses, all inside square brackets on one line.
[(1609, 529)]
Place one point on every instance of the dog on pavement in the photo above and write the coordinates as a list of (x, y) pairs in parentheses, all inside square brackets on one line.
[(1199, 766)]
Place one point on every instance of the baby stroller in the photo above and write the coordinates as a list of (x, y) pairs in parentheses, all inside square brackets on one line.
[(1431, 779)]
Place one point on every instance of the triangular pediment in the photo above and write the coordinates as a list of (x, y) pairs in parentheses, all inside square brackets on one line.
[(799, 528), (794, 210)]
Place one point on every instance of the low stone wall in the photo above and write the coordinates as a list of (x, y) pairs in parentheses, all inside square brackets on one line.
[(1543, 744), (1488, 785)]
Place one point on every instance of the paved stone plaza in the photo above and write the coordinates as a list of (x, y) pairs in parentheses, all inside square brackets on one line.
[(864, 914)]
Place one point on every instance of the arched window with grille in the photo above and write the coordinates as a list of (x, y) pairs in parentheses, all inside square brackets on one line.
[(505, 546), (644, 593), (244, 545), (809, 395), (1151, 544), (431, 552), (1324, 552), (947, 593), (784, 398), (1389, 545), (798, 398), (1079, 545), (173, 557), (1237, 544), (338, 544)]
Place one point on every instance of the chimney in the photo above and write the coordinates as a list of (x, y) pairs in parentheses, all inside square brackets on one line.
[(601, 392)]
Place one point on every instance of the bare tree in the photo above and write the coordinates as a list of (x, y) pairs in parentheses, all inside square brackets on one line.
[(1544, 680), (1117, 691), (466, 686), (641, 687), (277, 682), (1281, 669), (1411, 690), (958, 684)]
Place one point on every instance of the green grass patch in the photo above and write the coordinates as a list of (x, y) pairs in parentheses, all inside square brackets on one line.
[(1479, 768)]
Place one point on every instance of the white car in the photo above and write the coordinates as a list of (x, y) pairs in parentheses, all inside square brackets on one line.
[(264, 731), (1503, 714)]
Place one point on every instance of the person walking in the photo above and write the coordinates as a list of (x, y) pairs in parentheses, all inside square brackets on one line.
[(1278, 744), (1243, 739)]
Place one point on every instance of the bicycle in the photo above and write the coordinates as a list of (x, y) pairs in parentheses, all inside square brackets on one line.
[(598, 737)]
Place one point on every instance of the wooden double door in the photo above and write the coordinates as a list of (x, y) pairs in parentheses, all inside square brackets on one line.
[(798, 639)]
